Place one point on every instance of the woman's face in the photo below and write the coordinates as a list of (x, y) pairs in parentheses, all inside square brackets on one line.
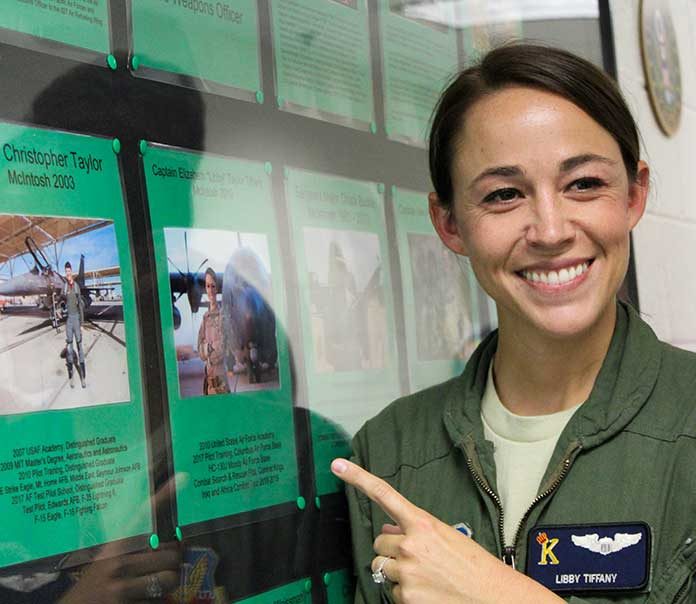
[(543, 209), (211, 290)]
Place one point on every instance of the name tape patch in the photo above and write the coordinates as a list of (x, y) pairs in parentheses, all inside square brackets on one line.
[(590, 557)]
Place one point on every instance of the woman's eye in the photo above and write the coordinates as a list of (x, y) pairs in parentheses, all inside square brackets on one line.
[(586, 184), (502, 196)]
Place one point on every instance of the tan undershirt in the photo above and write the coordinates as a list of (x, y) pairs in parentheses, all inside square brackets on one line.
[(523, 446)]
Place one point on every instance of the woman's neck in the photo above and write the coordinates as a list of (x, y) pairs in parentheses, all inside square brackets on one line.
[(536, 374)]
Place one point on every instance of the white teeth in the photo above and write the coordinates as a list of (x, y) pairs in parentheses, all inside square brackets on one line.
[(556, 278)]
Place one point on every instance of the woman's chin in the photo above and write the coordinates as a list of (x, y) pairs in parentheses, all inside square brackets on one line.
[(567, 323)]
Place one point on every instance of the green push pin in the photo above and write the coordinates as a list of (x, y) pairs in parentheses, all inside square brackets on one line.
[(116, 146), (268, 167), (112, 62), (301, 503), (317, 502), (154, 541), (135, 62), (179, 534), (326, 578), (308, 585), (142, 147), (373, 128), (259, 97)]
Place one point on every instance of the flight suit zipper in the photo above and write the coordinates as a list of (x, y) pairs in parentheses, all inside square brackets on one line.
[(682, 590), (508, 551), (483, 485)]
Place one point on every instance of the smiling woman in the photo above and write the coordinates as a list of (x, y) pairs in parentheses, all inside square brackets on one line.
[(565, 450)]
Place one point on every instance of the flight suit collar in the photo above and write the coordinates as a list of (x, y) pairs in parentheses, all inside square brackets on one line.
[(625, 380)]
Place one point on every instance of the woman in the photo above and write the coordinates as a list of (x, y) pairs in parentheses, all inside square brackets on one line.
[(210, 346), (566, 449)]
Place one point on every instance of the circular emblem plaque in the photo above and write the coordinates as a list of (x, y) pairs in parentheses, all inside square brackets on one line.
[(661, 63)]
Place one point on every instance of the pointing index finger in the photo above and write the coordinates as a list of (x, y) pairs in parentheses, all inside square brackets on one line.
[(399, 509)]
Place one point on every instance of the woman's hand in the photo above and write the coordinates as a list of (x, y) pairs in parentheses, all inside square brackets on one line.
[(430, 562), (128, 579), (132, 578)]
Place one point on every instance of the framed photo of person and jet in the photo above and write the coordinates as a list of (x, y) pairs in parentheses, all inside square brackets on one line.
[(222, 308), (72, 421)]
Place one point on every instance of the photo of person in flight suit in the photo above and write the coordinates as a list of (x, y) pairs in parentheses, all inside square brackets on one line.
[(210, 341), (75, 308)]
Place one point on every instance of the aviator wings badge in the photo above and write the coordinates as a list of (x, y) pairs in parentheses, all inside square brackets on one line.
[(606, 545)]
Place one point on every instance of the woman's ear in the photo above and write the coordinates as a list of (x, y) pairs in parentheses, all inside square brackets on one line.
[(638, 193), (445, 224)]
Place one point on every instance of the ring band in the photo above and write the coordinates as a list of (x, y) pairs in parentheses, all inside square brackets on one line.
[(154, 587), (379, 575)]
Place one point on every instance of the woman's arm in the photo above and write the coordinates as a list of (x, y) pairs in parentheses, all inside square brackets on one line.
[(202, 346), (428, 561), (361, 526)]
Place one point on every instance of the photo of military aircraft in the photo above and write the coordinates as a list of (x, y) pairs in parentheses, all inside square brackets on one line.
[(247, 323), (44, 282), (35, 360), (346, 298)]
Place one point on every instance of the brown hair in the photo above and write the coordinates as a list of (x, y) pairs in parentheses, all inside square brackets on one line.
[(534, 66), (211, 273)]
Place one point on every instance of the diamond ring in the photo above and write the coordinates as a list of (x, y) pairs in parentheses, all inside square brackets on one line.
[(154, 588), (379, 576)]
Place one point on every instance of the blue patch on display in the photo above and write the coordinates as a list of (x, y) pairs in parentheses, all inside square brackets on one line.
[(198, 573), (590, 557)]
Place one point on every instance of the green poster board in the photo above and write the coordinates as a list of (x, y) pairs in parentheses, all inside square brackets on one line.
[(74, 460), (418, 58), (322, 60), (83, 25), (440, 296), (298, 592), (340, 587), (236, 445), (340, 244), (217, 42)]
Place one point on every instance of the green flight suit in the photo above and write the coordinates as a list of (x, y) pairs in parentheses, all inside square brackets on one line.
[(627, 455)]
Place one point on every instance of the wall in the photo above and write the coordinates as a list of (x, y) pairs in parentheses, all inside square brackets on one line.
[(666, 238)]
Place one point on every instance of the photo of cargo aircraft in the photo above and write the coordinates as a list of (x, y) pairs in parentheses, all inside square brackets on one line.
[(245, 286), (248, 320)]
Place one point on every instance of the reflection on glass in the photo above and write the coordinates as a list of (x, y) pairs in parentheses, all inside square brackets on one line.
[(348, 315)]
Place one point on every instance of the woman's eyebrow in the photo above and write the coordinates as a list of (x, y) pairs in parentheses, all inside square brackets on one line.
[(578, 160), (498, 171), (566, 166)]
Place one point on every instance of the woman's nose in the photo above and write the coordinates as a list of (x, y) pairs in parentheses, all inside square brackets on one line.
[(550, 225)]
